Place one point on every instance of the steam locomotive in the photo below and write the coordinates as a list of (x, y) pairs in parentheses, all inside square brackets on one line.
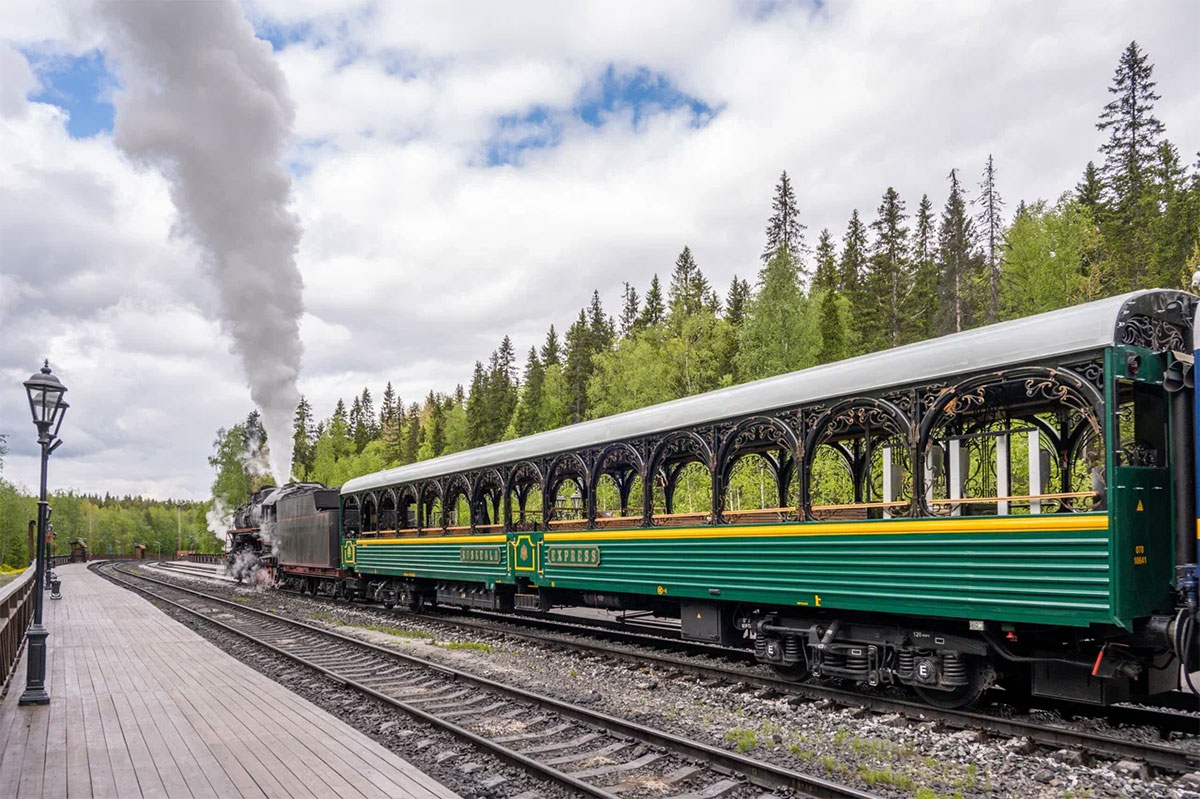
[(288, 534)]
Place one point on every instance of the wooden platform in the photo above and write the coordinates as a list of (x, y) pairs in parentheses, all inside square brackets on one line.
[(141, 706)]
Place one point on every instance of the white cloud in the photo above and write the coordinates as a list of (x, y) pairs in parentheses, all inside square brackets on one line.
[(418, 258)]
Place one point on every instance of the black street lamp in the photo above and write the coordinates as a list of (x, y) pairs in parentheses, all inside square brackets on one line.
[(48, 407)]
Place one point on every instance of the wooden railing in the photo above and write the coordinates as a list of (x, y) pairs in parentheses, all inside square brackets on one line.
[(16, 612)]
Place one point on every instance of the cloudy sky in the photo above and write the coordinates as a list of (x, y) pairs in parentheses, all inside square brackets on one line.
[(462, 171)]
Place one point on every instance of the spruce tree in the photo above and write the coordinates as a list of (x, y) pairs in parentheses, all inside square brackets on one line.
[(925, 274), (412, 434), (1089, 191), (1131, 204), (826, 276), (653, 310), (600, 327), (833, 332), (957, 261), (359, 430), (887, 294), (689, 289), (784, 231), (735, 302), (388, 407), (477, 408), (368, 414), (302, 440), (578, 369), (551, 354), (854, 257), (1134, 133), (991, 227), (525, 417), (436, 436), (629, 311)]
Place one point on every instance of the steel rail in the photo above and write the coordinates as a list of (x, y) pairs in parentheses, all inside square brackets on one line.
[(1158, 755), (759, 773)]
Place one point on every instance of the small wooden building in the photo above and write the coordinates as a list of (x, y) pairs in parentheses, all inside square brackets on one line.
[(78, 551), (139, 551)]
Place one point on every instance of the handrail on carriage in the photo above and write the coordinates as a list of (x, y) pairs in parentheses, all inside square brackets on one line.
[(1016, 498)]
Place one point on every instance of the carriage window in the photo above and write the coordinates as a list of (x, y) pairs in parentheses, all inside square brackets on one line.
[(1023, 444), (1142, 425)]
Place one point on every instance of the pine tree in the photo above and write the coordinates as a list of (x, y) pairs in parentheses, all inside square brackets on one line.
[(833, 332), (629, 311), (551, 353), (956, 263), (653, 310), (388, 408), (600, 327), (1130, 155), (991, 227), (578, 369), (525, 421), (826, 276), (358, 425), (477, 408), (735, 301), (507, 356), (925, 274), (437, 424), (784, 230), (368, 414), (854, 256), (1089, 191), (888, 286), (302, 440), (689, 289), (412, 434), (340, 432), (1134, 133)]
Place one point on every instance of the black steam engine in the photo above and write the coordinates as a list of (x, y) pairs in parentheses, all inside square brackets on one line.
[(288, 533)]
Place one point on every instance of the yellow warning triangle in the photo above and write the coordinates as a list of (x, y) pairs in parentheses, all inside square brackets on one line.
[(1139, 507)]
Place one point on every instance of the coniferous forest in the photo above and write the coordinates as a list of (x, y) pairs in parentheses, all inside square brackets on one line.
[(960, 256)]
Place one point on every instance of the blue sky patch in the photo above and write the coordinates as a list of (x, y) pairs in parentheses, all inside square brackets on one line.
[(644, 92), (641, 92), (515, 133), (80, 85)]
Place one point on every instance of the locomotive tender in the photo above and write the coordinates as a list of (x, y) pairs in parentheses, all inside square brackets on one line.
[(1013, 504)]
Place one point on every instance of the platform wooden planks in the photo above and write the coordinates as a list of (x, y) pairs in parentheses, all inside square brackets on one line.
[(141, 706)]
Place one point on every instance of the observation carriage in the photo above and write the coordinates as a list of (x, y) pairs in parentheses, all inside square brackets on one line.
[(1006, 504)]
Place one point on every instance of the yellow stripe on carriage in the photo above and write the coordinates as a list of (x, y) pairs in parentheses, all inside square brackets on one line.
[(1034, 523), (433, 539)]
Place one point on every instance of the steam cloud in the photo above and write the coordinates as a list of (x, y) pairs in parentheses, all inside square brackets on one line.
[(205, 102)]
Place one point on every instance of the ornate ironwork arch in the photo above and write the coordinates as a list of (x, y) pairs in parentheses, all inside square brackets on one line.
[(842, 417), (523, 476), (1058, 385)]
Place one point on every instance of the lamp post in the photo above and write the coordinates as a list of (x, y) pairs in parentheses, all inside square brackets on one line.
[(46, 402)]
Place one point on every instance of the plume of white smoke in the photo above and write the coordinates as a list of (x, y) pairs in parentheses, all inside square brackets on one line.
[(219, 519), (205, 102)]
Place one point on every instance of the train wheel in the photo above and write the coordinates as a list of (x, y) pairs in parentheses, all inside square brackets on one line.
[(794, 672), (416, 602), (980, 677)]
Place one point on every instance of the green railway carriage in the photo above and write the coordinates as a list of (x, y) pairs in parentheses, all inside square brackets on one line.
[(1007, 503)]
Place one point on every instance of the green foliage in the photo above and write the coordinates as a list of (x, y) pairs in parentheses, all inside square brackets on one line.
[(1133, 222), (773, 335), (1048, 258)]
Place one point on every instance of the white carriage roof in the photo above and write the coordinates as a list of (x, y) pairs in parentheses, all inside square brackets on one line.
[(1054, 334)]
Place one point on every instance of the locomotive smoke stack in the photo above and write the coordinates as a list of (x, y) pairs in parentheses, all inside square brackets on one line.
[(205, 102)]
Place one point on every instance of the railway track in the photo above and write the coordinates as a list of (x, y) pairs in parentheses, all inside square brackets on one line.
[(585, 751), (583, 636)]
